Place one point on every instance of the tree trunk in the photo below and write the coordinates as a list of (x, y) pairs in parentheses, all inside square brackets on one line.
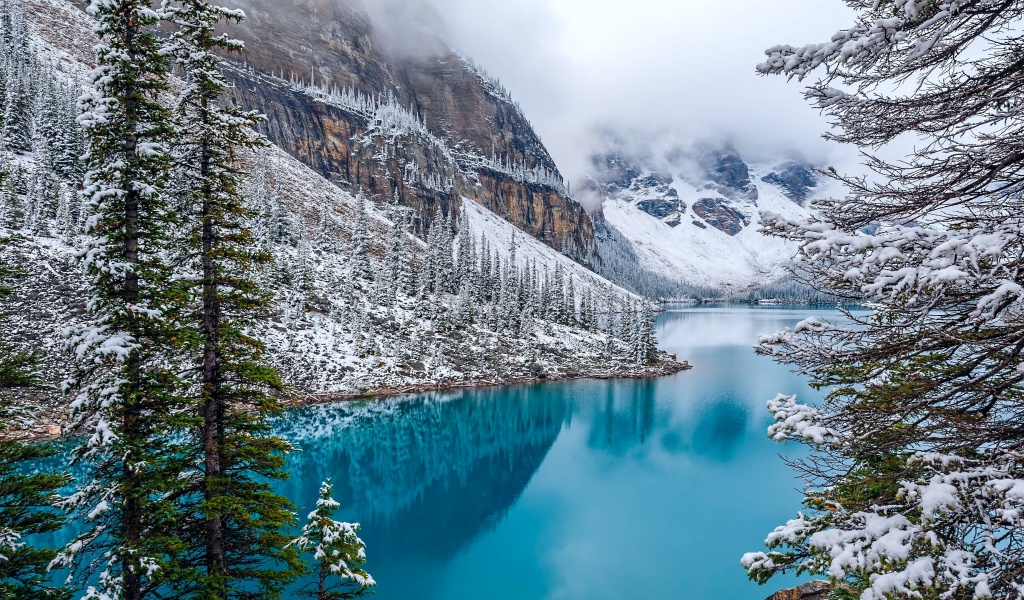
[(132, 418), (213, 403)]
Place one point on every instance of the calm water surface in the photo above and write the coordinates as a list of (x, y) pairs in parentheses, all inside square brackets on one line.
[(584, 490)]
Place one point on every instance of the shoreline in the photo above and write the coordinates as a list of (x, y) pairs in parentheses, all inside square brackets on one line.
[(663, 368)]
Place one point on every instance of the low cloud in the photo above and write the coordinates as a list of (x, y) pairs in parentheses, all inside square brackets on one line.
[(650, 70)]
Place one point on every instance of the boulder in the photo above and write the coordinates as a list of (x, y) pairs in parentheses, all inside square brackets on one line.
[(815, 590)]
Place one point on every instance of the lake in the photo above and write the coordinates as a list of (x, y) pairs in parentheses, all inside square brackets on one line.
[(574, 490)]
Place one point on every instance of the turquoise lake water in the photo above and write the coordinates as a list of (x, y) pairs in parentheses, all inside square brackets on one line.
[(582, 490), (585, 490)]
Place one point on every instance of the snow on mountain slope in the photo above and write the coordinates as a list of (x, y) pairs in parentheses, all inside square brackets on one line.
[(697, 221), (698, 254), (501, 233)]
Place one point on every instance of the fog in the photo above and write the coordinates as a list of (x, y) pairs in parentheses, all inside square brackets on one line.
[(654, 71)]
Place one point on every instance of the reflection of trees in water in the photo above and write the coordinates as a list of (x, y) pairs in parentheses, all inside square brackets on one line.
[(425, 475), (625, 417)]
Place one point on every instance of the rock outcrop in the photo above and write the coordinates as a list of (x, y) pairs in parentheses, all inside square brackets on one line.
[(719, 214), (728, 175), (797, 180), (815, 590), (652, 192)]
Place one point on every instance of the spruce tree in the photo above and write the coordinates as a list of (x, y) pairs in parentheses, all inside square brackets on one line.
[(128, 389), (360, 259), (11, 206), (28, 499), (647, 342), (336, 549), (234, 533), (16, 132)]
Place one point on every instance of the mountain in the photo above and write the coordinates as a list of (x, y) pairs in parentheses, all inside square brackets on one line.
[(388, 108), (368, 297), (690, 218)]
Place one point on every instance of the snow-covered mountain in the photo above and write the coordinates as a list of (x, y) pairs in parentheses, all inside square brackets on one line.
[(694, 217)]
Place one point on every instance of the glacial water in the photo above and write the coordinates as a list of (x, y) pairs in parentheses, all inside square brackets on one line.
[(581, 490), (585, 490)]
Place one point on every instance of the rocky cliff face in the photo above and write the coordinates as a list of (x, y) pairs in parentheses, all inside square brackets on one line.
[(399, 116)]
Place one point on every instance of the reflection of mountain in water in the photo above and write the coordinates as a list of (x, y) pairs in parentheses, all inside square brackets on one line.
[(425, 476)]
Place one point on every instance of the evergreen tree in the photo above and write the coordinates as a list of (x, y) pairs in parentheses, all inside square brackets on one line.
[(359, 263), (68, 143), (235, 531), (336, 549), (44, 194), (465, 267), (446, 274), (647, 342), (27, 499), (129, 391), (16, 132), (10, 197), (325, 234), (393, 269), (917, 453), (282, 230), (570, 310)]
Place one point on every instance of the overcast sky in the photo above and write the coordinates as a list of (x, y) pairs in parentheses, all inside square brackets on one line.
[(650, 67)]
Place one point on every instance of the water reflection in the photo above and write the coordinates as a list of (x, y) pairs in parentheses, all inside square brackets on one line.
[(625, 419), (429, 474)]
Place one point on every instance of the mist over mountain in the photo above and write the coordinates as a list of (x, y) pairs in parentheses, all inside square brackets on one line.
[(649, 68)]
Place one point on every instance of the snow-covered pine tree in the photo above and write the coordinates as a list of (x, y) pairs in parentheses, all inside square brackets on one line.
[(28, 498), (326, 236), (44, 194), (393, 268), (68, 143), (16, 132), (336, 550), (359, 262), (446, 275), (260, 191), (917, 453), (65, 222), (128, 391), (235, 532), (627, 324), (487, 278), (12, 189), (570, 310), (556, 296), (464, 264), (647, 341)]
